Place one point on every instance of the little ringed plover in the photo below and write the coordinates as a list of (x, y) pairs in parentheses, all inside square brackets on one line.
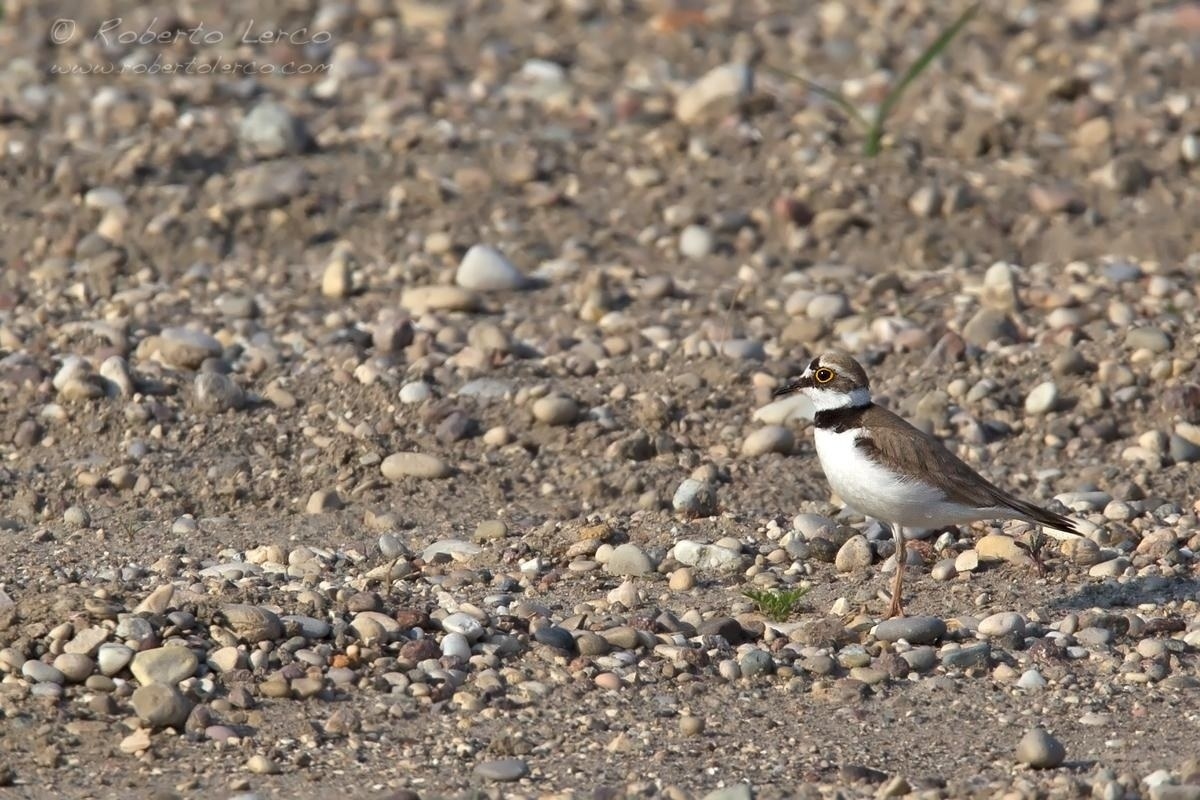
[(884, 468)]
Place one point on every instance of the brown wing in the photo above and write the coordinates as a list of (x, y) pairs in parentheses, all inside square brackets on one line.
[(907, 449)]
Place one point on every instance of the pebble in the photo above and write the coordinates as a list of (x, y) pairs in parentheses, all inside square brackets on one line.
[(187, 348), (947, 569), (214, 393), (998, 547), (261, 765), (337, 280), (555, 410), (490, 530), (716, 94), (161, 706), (456, 549), (1113, 568), (696, 498), (827, 307), (465, 625), (323, 501), (415, 392), (1004, 623), (252, 624), (628, 560), (1031, 680), (914, 630), (690, 725), (771, 439), (270, 130), (1146, 338), (557, 637), (682, 580), (1040, 750), (1042, 399), (136, 742), (708, 557), (168, 665), (75, 667), (989, 325), (854, 555), (111, 658), (1084, 552), (398, 466), (76, 517), (975, 655), (503, 770), (756, 662), (696, 242), (41, 672), (485, 269), (421, 299)]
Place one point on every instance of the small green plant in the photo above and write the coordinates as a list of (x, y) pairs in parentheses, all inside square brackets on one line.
[(874, 127), (777, 604)]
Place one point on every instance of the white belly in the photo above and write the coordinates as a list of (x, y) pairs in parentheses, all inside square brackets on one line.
[(876, 492)]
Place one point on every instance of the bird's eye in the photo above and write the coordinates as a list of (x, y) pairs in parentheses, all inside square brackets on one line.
[(823, 375)]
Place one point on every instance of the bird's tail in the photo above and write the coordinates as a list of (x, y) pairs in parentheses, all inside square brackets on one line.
[(1058, 526)]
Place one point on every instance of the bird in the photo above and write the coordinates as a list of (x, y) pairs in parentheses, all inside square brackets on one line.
[(884, 468)]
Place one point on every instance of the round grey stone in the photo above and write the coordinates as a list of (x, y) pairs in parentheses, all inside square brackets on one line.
[(975, 655), (168, 665), (77, 667), (41, 672), (270, 130), (989, 325), (1042, 399), (413, 465), (215, 393), (390, 546), (1040, 750), (920, 659), (415, 392), (1004, 623), (187, 348), (827, 307), (502, 769), (854, 555), (628, 560), (696, 241), (1147, 338), (557, 637), (77, 517), (914, 630), (756, 662), (465, 625), (694, 497), (161, 706), (555, 409), (113, 657), (1031, 680), (455, 645), (252, 624), (485, 269), (771, 439)]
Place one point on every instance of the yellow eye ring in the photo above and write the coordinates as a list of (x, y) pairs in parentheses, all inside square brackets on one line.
[(823, 375)]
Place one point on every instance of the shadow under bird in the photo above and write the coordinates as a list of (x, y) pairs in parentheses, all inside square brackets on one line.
[(884, 468)]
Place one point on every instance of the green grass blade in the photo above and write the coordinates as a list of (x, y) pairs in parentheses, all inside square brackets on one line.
[(914, 71), (829, 94)]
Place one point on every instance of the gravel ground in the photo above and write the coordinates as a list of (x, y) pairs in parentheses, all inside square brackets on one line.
[(385, 396)]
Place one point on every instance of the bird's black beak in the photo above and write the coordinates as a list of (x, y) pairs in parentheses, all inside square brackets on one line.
[(789, 388)]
